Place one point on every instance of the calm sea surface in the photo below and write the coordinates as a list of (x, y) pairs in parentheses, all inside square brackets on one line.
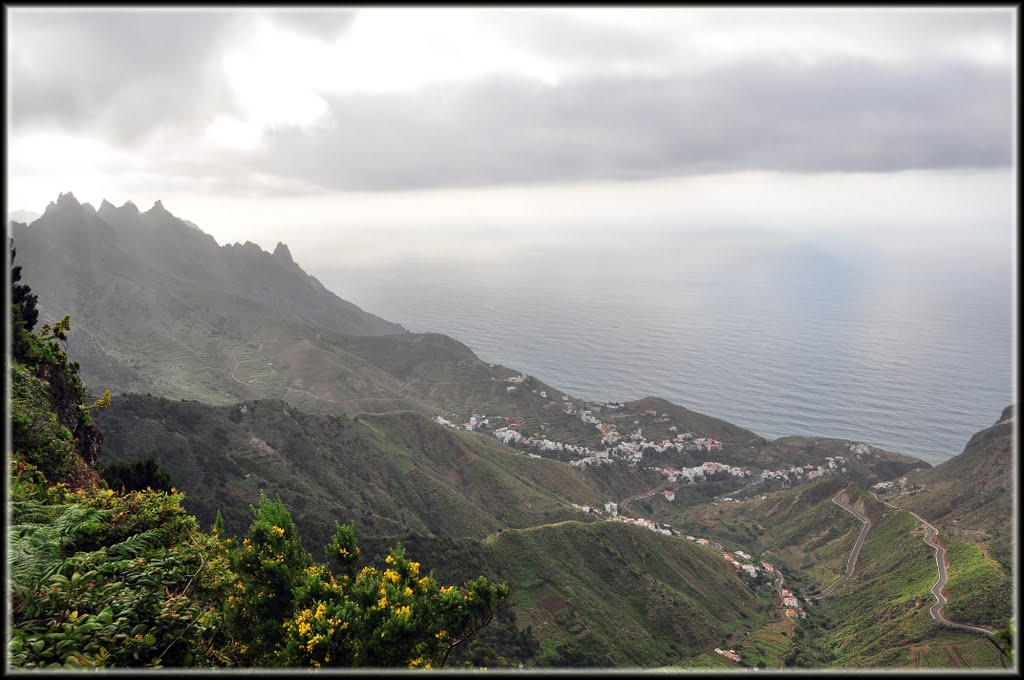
[(790, 340)]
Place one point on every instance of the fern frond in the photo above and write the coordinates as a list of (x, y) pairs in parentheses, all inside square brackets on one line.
[(133, 546)]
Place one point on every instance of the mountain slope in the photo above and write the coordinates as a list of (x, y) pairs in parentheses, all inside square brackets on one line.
[(157, 304), (604, 593), (390, 472), (969, 498), (971, 494)]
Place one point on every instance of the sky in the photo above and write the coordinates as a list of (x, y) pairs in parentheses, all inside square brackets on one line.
[(469, 127)]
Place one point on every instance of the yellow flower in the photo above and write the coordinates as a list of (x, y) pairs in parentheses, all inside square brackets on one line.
[(446, 589), (383, 602), (414, 568), (389, 559), (277, 530), (391, 575), (408, 591)]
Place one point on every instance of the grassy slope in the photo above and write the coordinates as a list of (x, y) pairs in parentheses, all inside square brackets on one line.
[(955, 651), (979, 590), (883, 608), (616, 595), (602, 593), (390, 472)]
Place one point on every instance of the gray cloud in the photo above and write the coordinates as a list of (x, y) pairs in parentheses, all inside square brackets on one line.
[(843, 115), (566, 38), (122, 75), (320, 24), (118, 74)]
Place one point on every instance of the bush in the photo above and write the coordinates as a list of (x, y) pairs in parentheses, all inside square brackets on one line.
[(136, 475)]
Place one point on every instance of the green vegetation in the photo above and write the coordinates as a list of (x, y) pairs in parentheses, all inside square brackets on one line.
[(979, 589), (799, 529), (883, 608), (392, 473), (611, 594), (136, 476), (955, 651), (35, 430), (769, 646), (707, 660), (105, 579)]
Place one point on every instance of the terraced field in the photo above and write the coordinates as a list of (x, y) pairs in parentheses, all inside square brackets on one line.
[(252, 366), (955, 652), (767, 647)]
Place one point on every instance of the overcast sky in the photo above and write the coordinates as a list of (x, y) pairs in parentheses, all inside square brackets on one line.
[(296, 125)]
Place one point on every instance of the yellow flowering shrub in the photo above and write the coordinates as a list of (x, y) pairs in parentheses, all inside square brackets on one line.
[(383, 618)]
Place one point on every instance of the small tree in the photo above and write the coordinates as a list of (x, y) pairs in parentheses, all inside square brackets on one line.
[(24, 313), (269, 563)]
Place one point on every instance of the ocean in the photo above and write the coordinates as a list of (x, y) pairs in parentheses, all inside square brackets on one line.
[(910, 354)]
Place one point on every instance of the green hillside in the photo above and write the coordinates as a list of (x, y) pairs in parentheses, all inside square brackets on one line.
[(389, 472), (883, 608), (609, 594), (799, 529), (603, 593)]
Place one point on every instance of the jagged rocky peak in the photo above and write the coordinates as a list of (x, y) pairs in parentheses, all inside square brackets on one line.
[(67, 199), (158, 208), (63, 202), (282, 253)]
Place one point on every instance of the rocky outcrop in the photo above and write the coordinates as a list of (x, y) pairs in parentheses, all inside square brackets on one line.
[(65, 401)]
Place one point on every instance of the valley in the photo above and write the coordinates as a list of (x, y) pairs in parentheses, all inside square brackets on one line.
[(632, 534)]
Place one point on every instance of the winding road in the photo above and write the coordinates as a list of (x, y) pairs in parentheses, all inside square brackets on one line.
[(645, 494), (940, 563), (851, 563)]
